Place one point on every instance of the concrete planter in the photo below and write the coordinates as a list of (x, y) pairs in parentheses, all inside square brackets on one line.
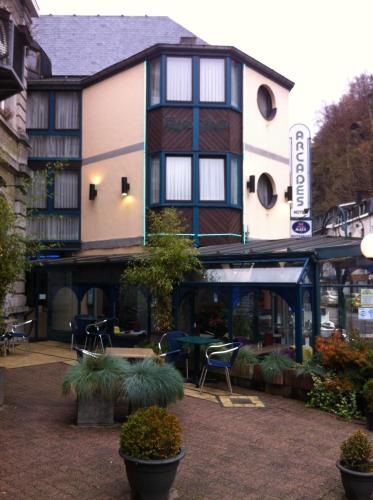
[(95, 411)]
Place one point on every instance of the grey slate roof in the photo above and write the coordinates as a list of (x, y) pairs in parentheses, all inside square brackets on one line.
[(83, 45)]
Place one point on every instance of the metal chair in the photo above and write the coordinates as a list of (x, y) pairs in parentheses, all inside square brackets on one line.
[(83, 353), (98, 331), (16, 338), (174, 351), (213, 352)]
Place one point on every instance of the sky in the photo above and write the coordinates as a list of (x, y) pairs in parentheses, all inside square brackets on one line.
[(320, 45)]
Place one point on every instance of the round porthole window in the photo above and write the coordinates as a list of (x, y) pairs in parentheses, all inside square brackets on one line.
[(266, 191), (3, 39), (265, 102)]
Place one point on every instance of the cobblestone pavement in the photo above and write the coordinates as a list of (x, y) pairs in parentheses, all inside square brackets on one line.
[(281, 451)]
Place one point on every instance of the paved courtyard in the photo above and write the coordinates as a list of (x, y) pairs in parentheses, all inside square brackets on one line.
[(281, 450)]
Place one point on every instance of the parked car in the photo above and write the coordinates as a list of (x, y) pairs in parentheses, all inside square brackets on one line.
[(327, 329), (329, 298)]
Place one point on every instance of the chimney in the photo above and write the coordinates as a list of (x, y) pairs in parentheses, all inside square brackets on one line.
[(188, 40)]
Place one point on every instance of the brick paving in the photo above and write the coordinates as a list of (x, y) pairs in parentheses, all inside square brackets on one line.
[(281, 451)]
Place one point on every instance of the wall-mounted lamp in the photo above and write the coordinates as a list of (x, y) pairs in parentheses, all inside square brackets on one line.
[(92, 191), (125, 186), (289, 194), (250, 184)]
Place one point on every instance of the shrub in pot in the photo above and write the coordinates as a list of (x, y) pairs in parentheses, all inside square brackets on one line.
[(272, 367), (355, 465), (96, 381), (150, 382), (150, 445), (245, 362), (368, 398)]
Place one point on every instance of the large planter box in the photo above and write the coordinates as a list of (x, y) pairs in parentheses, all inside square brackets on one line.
[(95, 411), (2, 385)]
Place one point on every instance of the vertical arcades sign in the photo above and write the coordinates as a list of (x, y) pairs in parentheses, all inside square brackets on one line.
[(300, 138)]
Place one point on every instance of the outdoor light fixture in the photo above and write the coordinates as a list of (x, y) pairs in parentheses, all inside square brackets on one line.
[(367, 246), (250, 184), (92, 191), (125, 186), (289, 194)]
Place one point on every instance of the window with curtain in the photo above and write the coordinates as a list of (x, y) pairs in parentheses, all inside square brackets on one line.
[(179, 178), (155, 82), (66, 190), (235, 73), (54, 146), (37, 115), (37, 195), (179, 78), (67, 110), (53, 227), (212, 80), (211, 179), (234, 180), (154, 180)]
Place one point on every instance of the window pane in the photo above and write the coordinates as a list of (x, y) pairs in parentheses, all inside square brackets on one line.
[(156, 82), (67, 110), (211, 179), (54, 146), (155, 180), (234, 84), (179, 79), (37, 110), (53, 227), (234, 180), (66, 190), (37, 196), (178, 178), (212, 81)]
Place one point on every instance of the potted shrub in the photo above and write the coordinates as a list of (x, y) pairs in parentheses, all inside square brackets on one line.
[(245, 362), (355, 465), (272, 368), (150, 382), (96, 381), (150, 445)]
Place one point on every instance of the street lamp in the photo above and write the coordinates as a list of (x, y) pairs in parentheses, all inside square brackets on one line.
[(367, 246)]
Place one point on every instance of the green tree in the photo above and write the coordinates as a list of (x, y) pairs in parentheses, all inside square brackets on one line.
[(342, 150), (169, 260)]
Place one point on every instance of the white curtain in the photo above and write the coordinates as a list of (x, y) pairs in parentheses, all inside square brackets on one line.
[(156, 82), (53, 227), (67, 110), (178, 178), (66, 190), (54, 146), (37, 110), (234, 180), (212, 80), (37, 195), (179, 79), (211, 179), (234, 84), (155, 171)]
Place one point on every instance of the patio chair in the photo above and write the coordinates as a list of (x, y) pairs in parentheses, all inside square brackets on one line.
[(97, 332), (82, 353), (20, 337), (174, 352), (213, 353)]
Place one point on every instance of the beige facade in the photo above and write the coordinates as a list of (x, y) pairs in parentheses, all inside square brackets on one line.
[(14, 146), (266, 149), (113, 141)]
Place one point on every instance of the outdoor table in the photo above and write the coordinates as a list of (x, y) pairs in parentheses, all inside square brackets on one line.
[(197, 341), (131, 352)]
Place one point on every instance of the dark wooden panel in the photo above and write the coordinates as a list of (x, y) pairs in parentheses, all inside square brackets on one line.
[(169, 129), (185, 215), (220, 220), (219, 240), (220, 130)]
